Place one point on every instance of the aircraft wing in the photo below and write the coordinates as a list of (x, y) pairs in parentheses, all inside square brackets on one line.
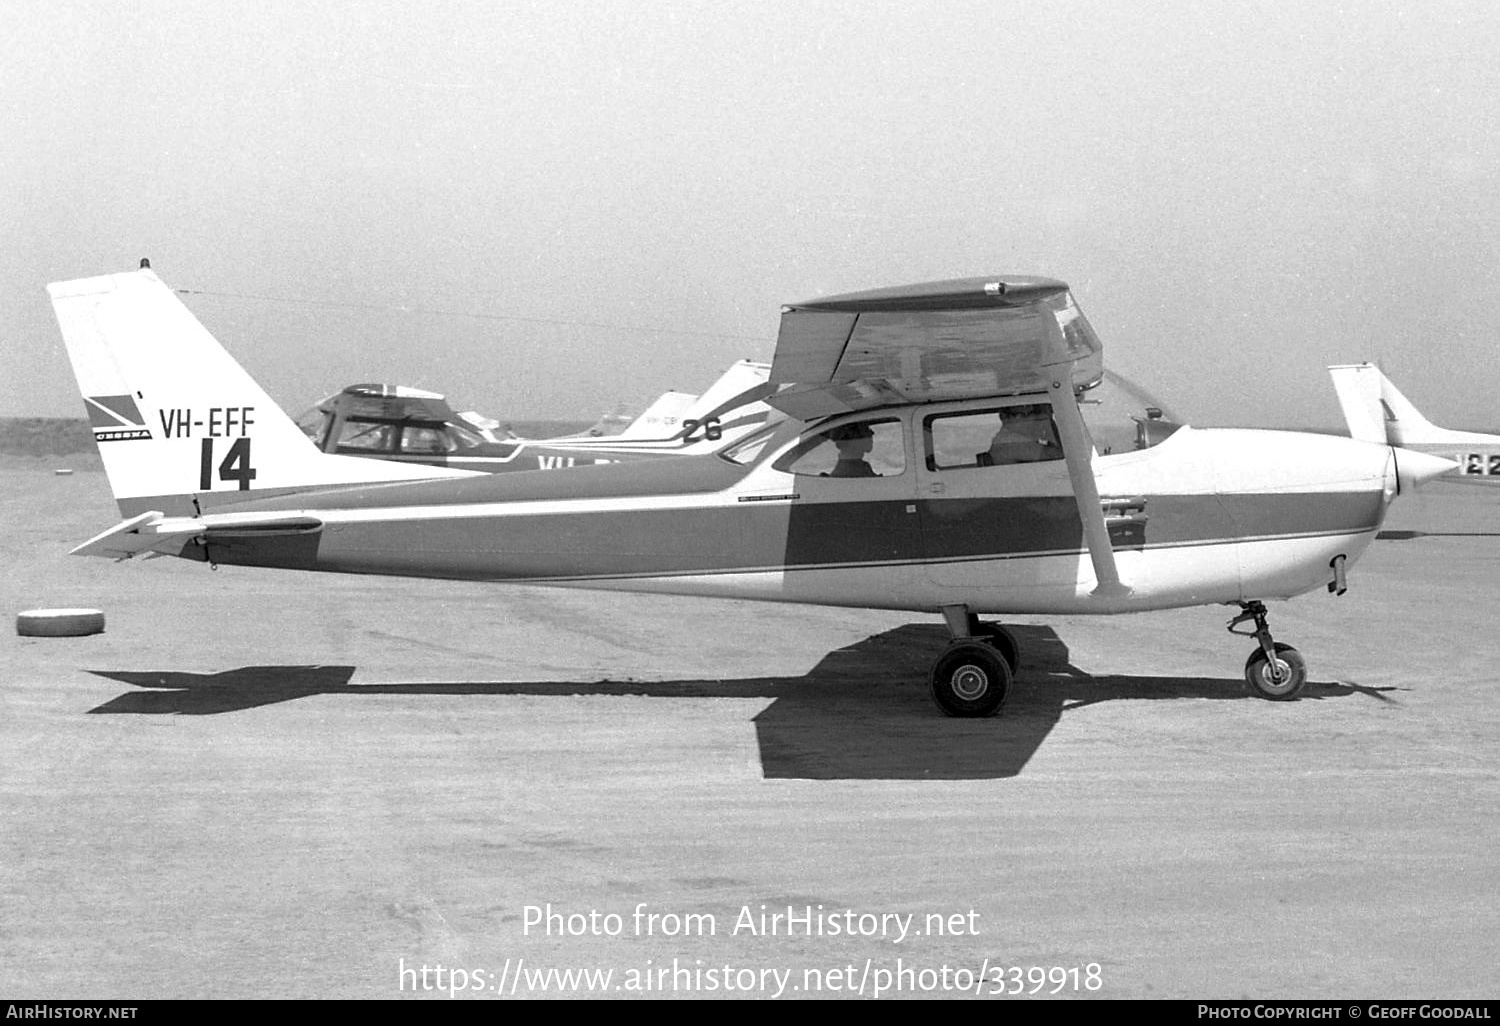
[(960, 339)]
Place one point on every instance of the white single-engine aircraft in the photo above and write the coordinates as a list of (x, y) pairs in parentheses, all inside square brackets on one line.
[(1376, 411), (933, 458), (412, 425)]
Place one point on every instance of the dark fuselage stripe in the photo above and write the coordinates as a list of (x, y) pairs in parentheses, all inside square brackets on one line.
[(756, 538)]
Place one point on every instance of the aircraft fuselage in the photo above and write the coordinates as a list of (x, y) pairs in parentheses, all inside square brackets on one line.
[(1206, 516)]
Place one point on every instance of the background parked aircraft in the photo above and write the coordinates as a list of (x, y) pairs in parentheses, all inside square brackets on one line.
[(1377, 411), (414, 426)]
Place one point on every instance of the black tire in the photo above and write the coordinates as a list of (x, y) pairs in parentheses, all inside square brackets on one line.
[(1257, 674), (1003, 640), (970, 679), (59, 623)]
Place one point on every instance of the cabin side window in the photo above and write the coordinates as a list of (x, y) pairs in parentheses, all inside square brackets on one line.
[(425, 441), (462, 438), (365, 436), (993, 438), (870, 448)]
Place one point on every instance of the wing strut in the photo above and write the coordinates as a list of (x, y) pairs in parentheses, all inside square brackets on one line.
[(1079, 454)]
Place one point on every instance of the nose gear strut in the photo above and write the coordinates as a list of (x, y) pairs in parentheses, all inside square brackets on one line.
[(1274, 670)]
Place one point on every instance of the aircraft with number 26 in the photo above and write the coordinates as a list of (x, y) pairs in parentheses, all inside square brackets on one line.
[(1376, 411), (412, 425), (934, 457)]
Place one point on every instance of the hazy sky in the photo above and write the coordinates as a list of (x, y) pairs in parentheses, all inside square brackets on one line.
[(545, 209)]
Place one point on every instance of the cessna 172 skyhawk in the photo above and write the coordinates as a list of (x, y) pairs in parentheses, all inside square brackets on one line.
[(933, 458), (1376, 411)]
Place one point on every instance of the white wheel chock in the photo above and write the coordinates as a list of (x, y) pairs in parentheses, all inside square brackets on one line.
[(59, 623)]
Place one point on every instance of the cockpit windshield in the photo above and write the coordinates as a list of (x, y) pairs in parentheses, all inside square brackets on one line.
[(747, 450), (315, 423), (1123, 417)]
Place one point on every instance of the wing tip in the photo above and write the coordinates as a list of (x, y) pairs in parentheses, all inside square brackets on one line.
[(99, 283), (949, 294)]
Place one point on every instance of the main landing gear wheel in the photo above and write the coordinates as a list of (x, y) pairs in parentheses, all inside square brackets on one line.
[(970, 679), (1003, 640), (1274, 670), (1281, 681)]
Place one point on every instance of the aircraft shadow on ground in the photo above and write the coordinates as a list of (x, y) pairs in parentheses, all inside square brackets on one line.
[(862, 713)]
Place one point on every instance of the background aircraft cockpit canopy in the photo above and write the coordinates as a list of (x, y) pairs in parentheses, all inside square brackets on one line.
[(374, 419)]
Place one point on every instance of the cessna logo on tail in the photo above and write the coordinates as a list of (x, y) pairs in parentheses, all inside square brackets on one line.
[(115, 418)]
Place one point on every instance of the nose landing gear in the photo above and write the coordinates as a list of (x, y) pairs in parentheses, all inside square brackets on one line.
[(1274, 670)]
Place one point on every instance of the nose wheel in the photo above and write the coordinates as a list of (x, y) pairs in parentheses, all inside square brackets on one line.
[(1274, 670)]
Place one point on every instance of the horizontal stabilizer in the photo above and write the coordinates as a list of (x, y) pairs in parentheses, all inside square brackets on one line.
[(131, 538), (154, 533)]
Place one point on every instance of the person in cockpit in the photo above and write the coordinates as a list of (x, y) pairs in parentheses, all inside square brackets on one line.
[(854, 441), (1026, 435)]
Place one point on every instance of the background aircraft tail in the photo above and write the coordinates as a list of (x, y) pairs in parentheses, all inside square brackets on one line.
[(682, 423), (661, 419), (181, 427), (723, 395), (730, 407), (668, 415), (1358, 388), (1376, 411)]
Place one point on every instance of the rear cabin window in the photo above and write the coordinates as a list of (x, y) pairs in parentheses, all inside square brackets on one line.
[(463, 438), (426, 441), (993, 438), (366, 436)]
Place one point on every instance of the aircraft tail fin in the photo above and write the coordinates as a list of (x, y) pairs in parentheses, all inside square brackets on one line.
[(1404, 423), (1358, 388), (686, 423), (661, 418), (732, 404), (1377, 411), (180, 425), (734, 382)]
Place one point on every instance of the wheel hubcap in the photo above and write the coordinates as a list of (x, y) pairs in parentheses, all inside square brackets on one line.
[(970, 682), (1276, 676)]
